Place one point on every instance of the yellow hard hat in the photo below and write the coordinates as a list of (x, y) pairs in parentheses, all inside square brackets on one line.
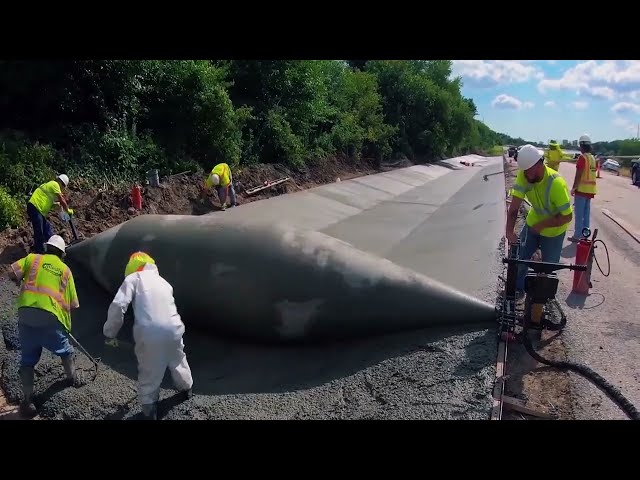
[(136, 262)]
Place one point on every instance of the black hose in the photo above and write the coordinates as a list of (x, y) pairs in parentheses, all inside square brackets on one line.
[(627, 407), (563, 318), (596, 258)]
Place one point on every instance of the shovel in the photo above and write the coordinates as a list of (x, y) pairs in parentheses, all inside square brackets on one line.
[(83, 350)]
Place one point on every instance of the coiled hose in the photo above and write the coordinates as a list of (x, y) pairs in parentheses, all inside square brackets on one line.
[(614, 394), (596, 258)]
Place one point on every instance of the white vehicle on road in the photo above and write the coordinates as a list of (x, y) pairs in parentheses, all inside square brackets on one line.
[(611, 165)]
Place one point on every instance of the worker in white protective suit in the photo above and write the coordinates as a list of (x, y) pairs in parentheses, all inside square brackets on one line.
[(157, 330)]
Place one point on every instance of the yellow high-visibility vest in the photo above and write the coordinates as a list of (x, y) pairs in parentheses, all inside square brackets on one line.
[(548, 198), (553, 158), (47, 284), (46, 196), (588, 180), (223, 171)]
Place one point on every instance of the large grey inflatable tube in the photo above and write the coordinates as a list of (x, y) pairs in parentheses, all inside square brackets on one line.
[(275, 283)]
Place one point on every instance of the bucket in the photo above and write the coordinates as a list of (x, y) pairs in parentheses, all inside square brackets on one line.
[(153, 177)]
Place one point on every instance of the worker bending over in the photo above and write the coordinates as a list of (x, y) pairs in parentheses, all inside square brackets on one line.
[(39, 206), (47, 295), (554, 155), (222, 179), (550, 213), (584, 187), (157, 330)]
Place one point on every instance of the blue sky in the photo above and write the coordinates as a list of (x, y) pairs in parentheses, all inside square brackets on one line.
[(555, 99)]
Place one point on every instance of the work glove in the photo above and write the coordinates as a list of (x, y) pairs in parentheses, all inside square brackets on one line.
[(70, 211), (64, 216), (112, 342)]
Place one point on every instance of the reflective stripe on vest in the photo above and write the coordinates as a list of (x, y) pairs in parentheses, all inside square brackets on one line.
[(31, 286), (588, 180), (546, 208)]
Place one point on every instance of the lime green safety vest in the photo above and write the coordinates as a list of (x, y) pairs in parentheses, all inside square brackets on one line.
[(553, 158), (47, 284), (548, 198), (45, 196), (223, 171)]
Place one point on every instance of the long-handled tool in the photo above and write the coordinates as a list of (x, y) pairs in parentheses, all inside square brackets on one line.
[(83, 350), (486, 177), (76, 239)]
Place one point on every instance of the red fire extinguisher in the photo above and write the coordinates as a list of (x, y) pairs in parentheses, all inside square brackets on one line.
[(136, 197), (584, 256)]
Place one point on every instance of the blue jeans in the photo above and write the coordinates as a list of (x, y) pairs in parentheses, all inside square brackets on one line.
[(42, 230), (222, 194), (550, 247), (34, 339), (582, 211)]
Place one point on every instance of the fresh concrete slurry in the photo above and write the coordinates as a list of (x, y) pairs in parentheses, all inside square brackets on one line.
[(437, 373)]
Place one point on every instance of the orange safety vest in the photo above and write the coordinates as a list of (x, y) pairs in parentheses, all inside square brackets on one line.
[(588, 180)]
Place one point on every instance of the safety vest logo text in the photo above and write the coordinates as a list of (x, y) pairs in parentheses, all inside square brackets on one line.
[(51, 269)]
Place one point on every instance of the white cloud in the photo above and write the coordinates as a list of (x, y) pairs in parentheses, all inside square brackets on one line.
[(635, 95), (551, 62), (605, 93), (625, 124), (580, 105), (490, 73), (626, 107), (550, 104), (505, 101), (597, 79)]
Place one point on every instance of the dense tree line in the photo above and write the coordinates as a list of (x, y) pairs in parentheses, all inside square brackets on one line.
[(120, 118)]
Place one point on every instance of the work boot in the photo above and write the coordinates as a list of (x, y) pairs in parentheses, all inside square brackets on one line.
[(73, 378), (187, 394), (27, 408), (150, 411)]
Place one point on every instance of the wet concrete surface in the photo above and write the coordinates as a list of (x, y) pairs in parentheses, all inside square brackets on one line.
[(435, 373), (603, 328)]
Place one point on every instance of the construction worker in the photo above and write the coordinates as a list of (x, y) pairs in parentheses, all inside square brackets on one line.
[(47, 295), (157, 330), (584, 187), (39, 206), (550, 213), (554, 155), (222, 179)]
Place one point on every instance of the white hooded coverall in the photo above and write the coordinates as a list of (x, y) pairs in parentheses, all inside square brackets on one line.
[(157, 331)]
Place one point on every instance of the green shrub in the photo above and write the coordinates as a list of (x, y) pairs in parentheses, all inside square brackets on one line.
[(10, 210)]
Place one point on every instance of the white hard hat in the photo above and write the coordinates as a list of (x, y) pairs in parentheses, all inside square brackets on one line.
[(528, 156), (585, 139), (58, 242), (64, 179), (215, 179)]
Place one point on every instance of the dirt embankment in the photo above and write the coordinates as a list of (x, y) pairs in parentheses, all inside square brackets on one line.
[(97, 210), (543, 389)]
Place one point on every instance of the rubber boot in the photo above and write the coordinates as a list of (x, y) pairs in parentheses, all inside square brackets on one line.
[(27, 408), (150, 411), (70, 369)]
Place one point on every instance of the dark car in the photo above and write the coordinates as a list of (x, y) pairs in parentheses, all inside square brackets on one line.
[(512, 152), (635, 172)]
